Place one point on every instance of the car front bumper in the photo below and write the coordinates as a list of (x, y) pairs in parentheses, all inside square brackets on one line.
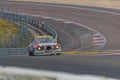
[(47, 52)]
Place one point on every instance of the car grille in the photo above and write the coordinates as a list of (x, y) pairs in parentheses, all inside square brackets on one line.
[(47, 47)]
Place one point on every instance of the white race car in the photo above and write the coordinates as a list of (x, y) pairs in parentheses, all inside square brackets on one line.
[(44, 45)]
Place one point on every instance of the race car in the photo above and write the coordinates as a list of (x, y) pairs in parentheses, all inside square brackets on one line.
[(44, 45)]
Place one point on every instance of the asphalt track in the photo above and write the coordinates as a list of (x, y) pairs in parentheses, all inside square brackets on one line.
[(104, 22)]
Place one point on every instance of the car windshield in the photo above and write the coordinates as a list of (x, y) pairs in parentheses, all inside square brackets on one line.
[(45, 40)]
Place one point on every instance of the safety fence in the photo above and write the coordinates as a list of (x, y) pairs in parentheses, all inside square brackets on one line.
[(13, 51), (18, 19)]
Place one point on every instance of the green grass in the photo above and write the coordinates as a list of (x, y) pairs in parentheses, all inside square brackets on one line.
[(6, 29)]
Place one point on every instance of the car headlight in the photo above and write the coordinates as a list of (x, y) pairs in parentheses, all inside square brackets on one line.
[(57, 47), (39, 48)]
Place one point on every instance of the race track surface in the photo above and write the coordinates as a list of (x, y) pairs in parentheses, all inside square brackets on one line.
[(100, 65), (105, 22)]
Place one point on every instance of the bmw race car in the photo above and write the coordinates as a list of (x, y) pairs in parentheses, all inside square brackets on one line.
[(44, 45)]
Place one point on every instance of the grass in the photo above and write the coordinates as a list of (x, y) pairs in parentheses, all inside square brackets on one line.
[(6, 29)]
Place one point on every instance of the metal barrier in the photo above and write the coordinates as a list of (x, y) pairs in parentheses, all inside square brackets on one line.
[(12, 16), (13, 51), (19, 19), (14, 40), (51, 31)]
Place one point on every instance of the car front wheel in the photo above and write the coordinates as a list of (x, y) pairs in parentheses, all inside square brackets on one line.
[(31, 54), (58, 54)]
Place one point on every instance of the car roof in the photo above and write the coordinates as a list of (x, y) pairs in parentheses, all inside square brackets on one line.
[(43, 37)]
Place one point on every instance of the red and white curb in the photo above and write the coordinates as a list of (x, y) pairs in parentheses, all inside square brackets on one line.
[(99, 39)]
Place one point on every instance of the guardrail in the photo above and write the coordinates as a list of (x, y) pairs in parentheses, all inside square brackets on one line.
[(13, 51), (14, 39), (51, 31), (20, 17), (23, 17)]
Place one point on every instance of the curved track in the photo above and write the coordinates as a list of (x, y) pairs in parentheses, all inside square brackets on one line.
[(104, 22)]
